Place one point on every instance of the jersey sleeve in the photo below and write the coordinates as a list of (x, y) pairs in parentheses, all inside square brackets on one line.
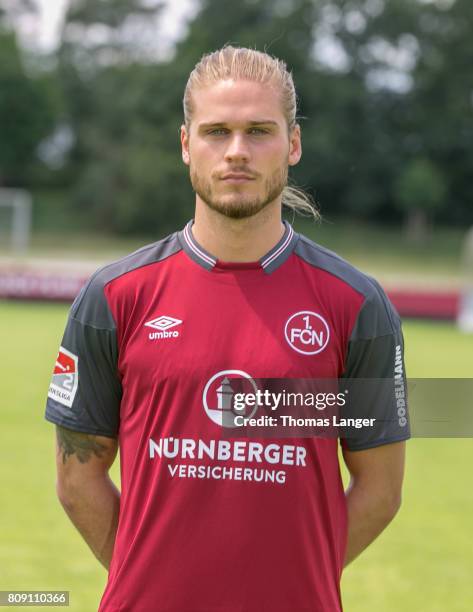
[(375, 376), (85, 390)]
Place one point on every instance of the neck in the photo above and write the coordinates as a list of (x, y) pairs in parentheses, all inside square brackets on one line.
[(238, 240)]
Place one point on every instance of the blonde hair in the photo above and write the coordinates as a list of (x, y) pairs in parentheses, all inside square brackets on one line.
[(248, 64)]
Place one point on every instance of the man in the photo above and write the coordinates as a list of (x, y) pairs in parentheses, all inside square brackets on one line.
[(150, 351)]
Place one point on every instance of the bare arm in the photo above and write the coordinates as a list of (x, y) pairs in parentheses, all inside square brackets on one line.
[(374, 493), (85, 489)]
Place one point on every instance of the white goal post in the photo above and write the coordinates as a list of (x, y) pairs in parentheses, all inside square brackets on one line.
[(465, 314), (19, 202)]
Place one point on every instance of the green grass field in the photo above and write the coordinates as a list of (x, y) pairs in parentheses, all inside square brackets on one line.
[(423, 562)]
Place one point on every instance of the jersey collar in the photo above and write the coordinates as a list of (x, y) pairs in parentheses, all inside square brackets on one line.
[(268, 263)]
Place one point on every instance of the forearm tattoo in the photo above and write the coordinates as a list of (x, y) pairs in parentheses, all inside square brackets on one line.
[(80, 444)]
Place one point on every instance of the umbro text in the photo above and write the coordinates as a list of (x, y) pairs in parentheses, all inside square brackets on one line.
[(163, 334)]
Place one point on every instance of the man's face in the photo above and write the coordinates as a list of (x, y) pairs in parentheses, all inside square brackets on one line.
[(238, 147)]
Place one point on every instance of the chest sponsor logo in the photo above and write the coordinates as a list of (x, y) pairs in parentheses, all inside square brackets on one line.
[(163, 327), (218, 396), (307, 332), (65, 378)]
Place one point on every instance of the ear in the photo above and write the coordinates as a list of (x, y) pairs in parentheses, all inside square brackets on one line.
[(185, 145), (295, 145)]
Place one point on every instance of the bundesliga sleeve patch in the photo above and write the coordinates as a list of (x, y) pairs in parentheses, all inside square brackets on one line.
[(65, 378)]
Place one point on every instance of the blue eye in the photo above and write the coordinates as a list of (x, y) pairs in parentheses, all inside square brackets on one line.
[(223, 131), (217, 132)]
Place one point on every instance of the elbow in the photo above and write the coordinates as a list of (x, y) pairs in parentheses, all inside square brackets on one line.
[(391, 505), (66, 494)]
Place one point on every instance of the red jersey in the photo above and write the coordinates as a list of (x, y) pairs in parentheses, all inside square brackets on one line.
[(209, 524)]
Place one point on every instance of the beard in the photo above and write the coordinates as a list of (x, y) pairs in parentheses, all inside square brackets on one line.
[(236, 204)]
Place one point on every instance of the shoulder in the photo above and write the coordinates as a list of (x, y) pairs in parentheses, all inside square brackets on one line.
[(91, 304), (377, 312), (323, 259)]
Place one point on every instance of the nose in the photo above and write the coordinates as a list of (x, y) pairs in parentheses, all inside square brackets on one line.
[(237, 149)]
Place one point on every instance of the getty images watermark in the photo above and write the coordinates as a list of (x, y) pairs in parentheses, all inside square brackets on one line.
[(365, 410), (326, 403), (243, 405)]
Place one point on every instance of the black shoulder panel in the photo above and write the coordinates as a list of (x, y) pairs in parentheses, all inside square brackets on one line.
[(377, 316), (90, 307), (87, 398)]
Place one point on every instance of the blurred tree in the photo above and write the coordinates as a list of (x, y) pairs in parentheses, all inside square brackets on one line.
[(126, 113), (102, 32), (421, 191), (382, 83), (401, 84), (103, 73), (26, 116), (442, 100), (12, 9)]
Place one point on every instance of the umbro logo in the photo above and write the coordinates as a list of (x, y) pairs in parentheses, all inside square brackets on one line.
[(163, 324)]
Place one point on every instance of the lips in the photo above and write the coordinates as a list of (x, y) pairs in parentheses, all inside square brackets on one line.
[(236, 176)]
